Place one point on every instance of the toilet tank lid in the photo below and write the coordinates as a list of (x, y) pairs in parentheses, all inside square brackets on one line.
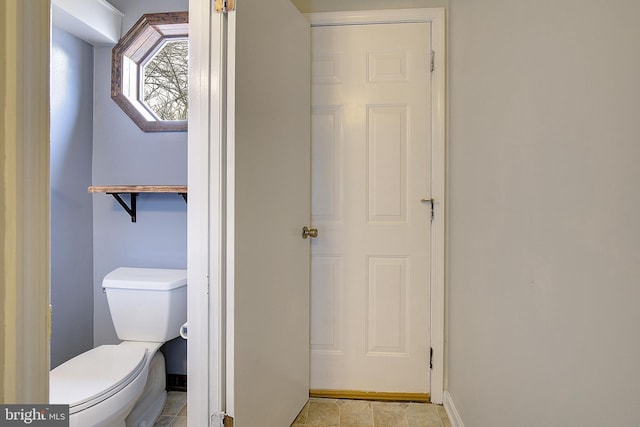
[(152, 279)]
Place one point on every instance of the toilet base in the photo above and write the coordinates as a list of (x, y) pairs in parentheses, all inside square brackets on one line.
[(150, 404)]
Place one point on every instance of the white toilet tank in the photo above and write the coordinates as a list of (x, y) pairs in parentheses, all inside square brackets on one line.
[(147, 304)]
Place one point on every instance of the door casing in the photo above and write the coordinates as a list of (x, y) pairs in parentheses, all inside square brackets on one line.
[(204, 213)]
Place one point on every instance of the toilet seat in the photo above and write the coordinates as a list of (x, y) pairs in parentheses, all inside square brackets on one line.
[(96, 375)]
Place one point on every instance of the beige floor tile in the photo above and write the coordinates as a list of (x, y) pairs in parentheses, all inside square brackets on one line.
[(179, 422), (323, 413), (389, 414), (163, 421), (355, 404), (430, 420), (301, 419), (356, 413), (175, 402), (443, 416), (319, 412), (183, 411), (325, 400), (414, 409)]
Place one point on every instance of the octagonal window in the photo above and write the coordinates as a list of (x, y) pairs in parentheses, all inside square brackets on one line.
[(150, 69)]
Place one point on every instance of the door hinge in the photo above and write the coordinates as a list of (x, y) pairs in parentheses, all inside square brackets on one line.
[(224, 6), (433, 60), (220, 419), (430, 357)]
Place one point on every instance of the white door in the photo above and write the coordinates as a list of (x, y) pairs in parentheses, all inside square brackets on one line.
[(249, 197), (370, 172), (267, 203)]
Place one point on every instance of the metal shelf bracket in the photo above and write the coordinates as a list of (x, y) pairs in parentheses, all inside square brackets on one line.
[(130, 210)]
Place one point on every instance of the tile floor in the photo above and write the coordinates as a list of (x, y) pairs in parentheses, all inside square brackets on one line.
[(333, 413), (174, 413), (362, 413)]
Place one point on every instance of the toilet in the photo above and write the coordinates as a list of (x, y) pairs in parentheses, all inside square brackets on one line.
[(124, 384)]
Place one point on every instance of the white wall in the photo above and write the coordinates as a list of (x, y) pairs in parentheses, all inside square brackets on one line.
[(71, 205), (123, 154), (544, 259)]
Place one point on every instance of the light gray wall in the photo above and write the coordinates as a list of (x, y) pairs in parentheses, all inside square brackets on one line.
[(544, 260), (123, 154), (71, 205)]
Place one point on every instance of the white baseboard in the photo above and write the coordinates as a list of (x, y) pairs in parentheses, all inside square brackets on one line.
[(452, 412)]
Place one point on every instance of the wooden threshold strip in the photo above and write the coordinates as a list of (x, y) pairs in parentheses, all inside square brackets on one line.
[(371, 395)]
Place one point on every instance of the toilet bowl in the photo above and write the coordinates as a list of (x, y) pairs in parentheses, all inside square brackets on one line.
[(105, 385)]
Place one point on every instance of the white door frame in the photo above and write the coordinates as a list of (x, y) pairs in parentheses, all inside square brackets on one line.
[(205, 240), (434, 16)]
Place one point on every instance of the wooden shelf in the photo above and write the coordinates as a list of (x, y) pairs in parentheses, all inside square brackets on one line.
[(133, 191), (182, 189)]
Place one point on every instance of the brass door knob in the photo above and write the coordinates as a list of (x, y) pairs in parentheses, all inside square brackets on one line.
[(309, 232)]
